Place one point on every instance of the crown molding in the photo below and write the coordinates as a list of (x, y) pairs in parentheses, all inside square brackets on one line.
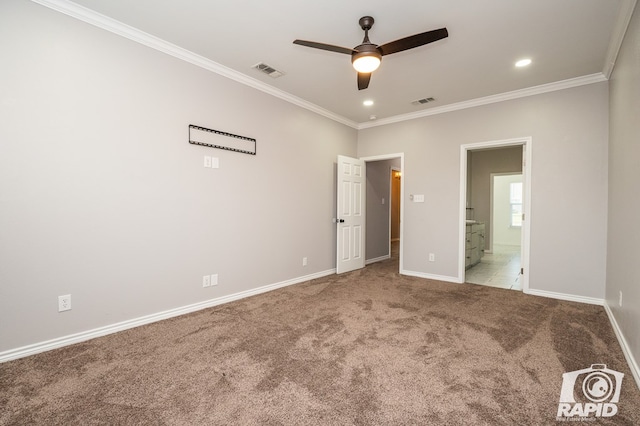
[(116, 27), (501, 97), (619, 31)]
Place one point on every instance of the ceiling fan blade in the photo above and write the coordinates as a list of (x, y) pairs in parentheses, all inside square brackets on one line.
[(413, 41), (322, 46), (363, 80)]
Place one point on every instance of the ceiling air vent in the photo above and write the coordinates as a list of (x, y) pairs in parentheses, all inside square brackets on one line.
[(268, 70), (423, 101)]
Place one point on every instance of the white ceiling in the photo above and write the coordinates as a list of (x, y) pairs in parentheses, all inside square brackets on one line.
[(566, 39)]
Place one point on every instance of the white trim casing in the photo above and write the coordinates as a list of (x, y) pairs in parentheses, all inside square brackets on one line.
[(391, 172), (399, 155), (116, 27), (620, 29), (633, 365), (445, 278), (377, 259), (567, 297), (526, 143), (148, 319), (500, 97)]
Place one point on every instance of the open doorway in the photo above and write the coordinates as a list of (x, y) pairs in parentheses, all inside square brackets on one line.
[(396, 185), (501, 264), (495, 198), (384, 208)]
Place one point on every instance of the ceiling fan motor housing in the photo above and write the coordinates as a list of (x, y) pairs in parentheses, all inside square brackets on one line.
[(365, 50)]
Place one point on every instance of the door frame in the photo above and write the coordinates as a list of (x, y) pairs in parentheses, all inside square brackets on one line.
[(391, 173), (399, 155), (526, 143)]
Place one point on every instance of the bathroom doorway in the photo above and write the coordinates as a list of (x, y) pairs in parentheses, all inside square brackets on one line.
[(495, 238)]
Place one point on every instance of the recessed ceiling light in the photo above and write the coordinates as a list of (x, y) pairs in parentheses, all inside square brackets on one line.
[(368, 102), (523, 62)]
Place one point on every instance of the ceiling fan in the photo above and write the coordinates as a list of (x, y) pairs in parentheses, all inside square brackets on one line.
[(366, 57)]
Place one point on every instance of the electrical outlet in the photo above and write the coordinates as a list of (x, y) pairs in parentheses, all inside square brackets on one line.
[(206, 281), (64, 303), (304, 261), (207, 161), (620, 300), (432, 257), (214, 279)]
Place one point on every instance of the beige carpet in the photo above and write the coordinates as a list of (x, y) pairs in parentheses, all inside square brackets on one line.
[(365, 348)]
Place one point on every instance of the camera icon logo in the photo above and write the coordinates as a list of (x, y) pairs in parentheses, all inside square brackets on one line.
[(591, 391)]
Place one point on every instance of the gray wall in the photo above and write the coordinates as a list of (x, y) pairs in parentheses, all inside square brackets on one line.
[(483, 164), (102, 197), (569, 131), (623, 249), (378, 214)]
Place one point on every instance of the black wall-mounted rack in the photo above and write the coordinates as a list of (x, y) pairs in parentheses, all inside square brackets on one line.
[(199, 135)]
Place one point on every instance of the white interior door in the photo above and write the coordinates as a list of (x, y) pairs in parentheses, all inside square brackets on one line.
[(351, 214)]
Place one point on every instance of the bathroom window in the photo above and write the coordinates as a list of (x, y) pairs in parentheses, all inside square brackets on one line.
[(515, 196)]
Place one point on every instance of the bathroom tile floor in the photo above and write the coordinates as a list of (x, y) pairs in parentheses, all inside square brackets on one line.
[(498, 269)]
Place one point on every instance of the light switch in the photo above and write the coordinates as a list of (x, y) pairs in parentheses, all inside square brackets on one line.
[(383, 201), (215, 162), (418, 198)]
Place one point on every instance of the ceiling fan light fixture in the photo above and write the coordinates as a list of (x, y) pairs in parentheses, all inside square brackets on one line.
[(367, 56), (366, 62)]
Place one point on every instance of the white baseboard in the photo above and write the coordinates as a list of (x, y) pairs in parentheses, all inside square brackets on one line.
[(633, 365), (431, 276), (564, 296), (148, 319), (377, 259)]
